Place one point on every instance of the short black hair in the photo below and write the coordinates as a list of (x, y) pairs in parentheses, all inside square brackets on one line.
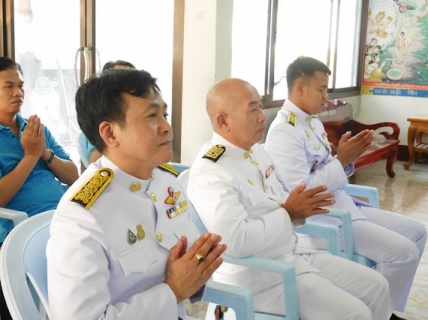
[(100, 99), (111, 64), (8, 64), (304, 67)]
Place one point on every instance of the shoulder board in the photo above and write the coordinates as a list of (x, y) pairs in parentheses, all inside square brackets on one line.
[(93, 187), (215, 152), (168, 168), (291, 118)]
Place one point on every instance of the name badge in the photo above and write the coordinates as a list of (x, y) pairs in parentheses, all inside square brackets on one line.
[(176, 210)]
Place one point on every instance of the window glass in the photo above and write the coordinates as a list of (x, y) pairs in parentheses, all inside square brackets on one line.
[(348, 50), (140, 32), (302, 30), (249, 31), (328, 30), (46, 40)]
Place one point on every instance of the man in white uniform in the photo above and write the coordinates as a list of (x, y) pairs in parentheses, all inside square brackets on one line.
[(234, 187), (122, 243), (298, 144)]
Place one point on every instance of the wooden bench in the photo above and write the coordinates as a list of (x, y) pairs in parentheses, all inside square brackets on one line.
[(338, 119)]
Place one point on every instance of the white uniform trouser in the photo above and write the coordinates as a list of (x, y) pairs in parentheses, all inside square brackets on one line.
[(342, 290), (395, 243)]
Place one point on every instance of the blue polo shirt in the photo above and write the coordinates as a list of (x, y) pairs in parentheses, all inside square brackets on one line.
[(41, 191), (85, 149)]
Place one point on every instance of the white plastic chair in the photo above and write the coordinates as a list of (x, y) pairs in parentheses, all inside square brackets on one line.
[(16, 216), (371, 194), (23, 255)]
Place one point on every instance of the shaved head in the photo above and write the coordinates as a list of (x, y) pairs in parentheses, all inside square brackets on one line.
[(225, 96), (234, 107)]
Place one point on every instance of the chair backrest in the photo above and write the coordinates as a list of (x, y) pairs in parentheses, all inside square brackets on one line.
[(179, 167), (82, 148), (23, 255)]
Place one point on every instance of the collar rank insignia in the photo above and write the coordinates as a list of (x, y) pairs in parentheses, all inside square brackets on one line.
[(93, 187), (291, 118), (168, 168), (314, 167), (215, 152), (172, 196), (269, 171)]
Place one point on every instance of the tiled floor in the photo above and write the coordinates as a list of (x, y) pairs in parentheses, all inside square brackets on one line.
[(406, 194)]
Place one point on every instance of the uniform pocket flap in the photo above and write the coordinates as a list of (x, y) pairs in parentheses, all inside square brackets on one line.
[(189, 230), (137, 260)]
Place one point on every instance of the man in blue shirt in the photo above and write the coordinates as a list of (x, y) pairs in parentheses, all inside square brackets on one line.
[(32, 164)]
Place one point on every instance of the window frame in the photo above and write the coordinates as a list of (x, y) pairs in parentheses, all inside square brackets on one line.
[(334, 93)]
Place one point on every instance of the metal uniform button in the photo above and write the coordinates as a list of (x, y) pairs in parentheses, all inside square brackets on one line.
[(266, 186), (135, 186), (159, 236), (246, 155), (255, 162), (153, 196), (251, 150)]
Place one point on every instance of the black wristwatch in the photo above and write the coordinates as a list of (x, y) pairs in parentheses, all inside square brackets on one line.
[(49, 160)]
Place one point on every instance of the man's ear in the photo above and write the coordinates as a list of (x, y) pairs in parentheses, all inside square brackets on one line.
[(107, 133), (222, 122), (299, 87)]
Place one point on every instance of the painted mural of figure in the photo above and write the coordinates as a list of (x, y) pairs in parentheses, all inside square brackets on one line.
[(401, 45), (379, 24), (424, 12), (371, 47), (373, 71)]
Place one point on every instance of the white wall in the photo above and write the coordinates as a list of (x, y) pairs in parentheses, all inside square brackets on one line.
[(207, 59), (392, 109)]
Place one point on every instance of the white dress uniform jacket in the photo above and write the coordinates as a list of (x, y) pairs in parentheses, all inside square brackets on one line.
[(238, 196), (305, 155), (299, 146), (109, 261)]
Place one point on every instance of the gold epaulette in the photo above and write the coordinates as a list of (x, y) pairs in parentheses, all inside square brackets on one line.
[(291, 118), (93, 187), (215, 152), (168, 168)]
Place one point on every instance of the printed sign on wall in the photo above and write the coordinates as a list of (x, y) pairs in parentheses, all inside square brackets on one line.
[(396, 48)]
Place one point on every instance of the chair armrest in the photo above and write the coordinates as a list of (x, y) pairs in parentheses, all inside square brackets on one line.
[(239, 299), (323, 230), (370, 193), (287, 272), (16, 216), (345, 216), (358, 127)]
